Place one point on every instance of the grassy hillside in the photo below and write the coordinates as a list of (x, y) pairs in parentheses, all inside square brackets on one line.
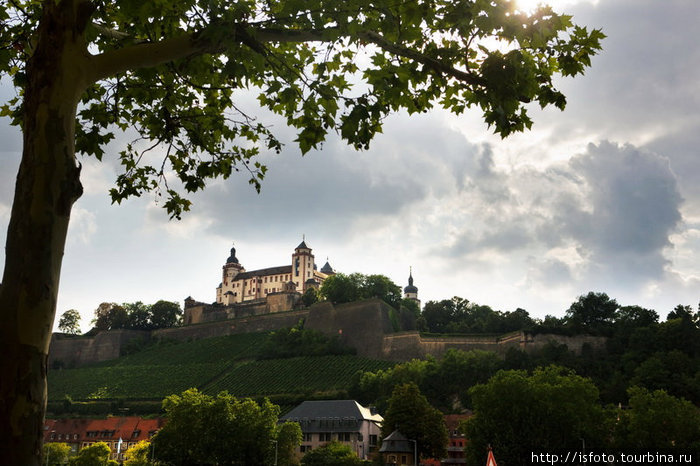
[(212, 365)]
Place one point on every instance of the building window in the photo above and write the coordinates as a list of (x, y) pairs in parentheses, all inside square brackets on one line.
[(372, 440), (324, 437), (306, 437), (343, 436), (305, 448)]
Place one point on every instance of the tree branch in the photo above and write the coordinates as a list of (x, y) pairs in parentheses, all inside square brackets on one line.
[(152, 54), (436, 65), (145, 55)]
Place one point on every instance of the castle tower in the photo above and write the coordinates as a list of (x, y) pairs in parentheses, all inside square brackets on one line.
[(225, 293), (411, 291), (327, 269), (303, 266)]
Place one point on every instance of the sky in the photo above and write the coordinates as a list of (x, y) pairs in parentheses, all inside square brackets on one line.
[(602, 197)]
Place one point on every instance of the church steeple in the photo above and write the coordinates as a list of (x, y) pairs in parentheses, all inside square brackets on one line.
[(232, 258), (411, 291)]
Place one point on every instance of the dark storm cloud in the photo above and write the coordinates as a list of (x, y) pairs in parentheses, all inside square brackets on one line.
[(335, 189), (634, 197), (683, 150), (553, 272), (617, 205)]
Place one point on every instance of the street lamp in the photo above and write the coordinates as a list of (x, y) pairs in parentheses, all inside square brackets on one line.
[(275, 442), (415, 451), (48, 450)]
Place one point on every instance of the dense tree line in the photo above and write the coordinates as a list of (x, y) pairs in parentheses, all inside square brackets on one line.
[(137, 316), (640, 390), (459, 315), (639, 351), (341, 288), (553, 410)]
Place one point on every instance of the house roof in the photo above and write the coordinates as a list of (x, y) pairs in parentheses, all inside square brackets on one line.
[(130, 428), (264, 272), (327, 269), (331, 416), (332, 408), (396, 442)]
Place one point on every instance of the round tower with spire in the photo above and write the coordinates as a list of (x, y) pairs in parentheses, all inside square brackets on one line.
[(411, 291), (230, 270)]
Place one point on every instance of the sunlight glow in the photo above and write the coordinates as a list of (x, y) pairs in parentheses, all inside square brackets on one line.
[(529, 6)]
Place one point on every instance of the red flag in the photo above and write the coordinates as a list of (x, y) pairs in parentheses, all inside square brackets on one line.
[(491, 461)]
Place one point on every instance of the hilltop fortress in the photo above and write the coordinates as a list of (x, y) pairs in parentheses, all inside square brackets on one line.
[(270, 299), (266, 291)]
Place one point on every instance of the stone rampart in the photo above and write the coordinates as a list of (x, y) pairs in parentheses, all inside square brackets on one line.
[(73, 351), (361, 325), (250, 324), (404, 346), (364, 325)]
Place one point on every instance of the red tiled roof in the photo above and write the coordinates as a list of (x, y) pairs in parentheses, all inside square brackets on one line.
[(131, 428)]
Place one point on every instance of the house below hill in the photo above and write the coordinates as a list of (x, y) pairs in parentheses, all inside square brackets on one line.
[(345, 421), (81, 433)]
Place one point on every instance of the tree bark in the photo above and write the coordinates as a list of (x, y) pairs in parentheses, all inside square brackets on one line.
[(47, 186)]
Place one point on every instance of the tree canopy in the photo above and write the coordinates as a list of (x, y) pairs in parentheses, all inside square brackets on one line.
[(331, 454), (207, 430), (137, 316), (96, 454), (342, 288), (70, 322), (56, 453), (459, 315), (410, 413), (548, 411), (171, 72)]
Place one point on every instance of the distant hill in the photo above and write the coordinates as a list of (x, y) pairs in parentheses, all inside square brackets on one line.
[(141, 380)]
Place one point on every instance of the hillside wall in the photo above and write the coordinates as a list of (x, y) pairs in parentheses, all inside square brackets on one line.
[(361, 325), (71, 351), (405, 346), (364, 325), (250, 324)]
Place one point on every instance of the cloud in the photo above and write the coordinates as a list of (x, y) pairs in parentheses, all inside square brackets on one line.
[(83, 225), (616, 205), (338, 191), (634, 197)]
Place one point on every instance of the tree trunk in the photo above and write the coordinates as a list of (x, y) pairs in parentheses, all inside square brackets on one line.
[(47, 186)]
